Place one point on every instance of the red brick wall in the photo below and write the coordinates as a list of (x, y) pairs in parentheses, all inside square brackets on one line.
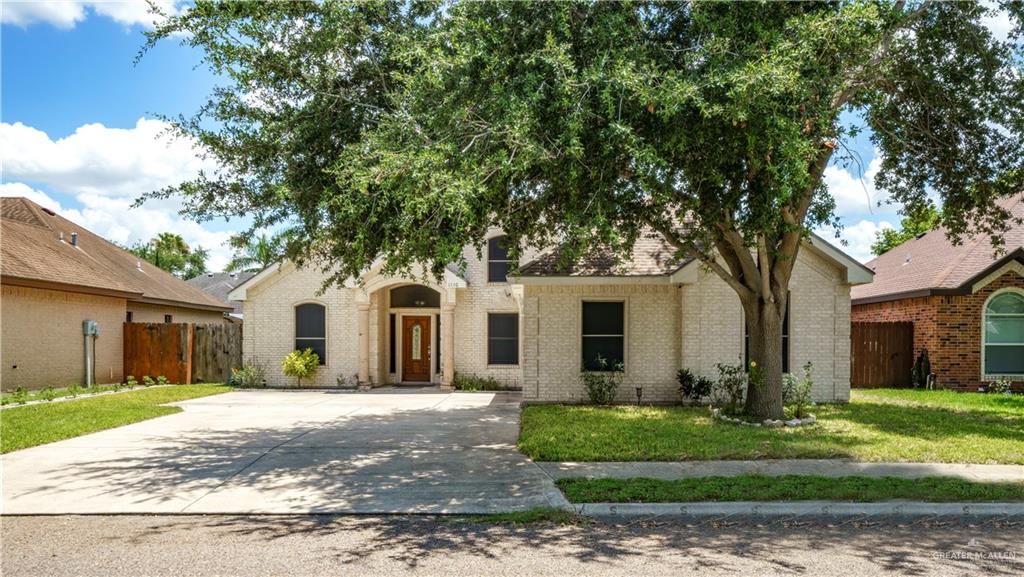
[(949, 326)]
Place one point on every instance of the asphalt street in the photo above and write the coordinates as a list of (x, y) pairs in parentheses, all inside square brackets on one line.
[(337, 545)]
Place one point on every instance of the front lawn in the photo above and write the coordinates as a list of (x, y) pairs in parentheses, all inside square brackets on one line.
[(786, 488), (22, 427), (877, 425)]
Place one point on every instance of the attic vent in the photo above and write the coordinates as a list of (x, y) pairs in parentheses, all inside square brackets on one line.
[(907, 261), (74, 239), (921, 235), (138, 264)]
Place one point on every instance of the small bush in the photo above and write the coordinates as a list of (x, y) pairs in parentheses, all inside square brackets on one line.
[(1000, 386), (48, 394), (73, 391), (20, 395), (693, 387), (471, 382), (730, 389), (250, 375), (94, 388), (162, 380), (796, 392), (130, 381), (148, 381), (603, 384), (300, 364)]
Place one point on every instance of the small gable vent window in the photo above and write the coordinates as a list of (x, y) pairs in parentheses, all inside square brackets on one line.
[(168, 319), (1004, 334), (311, 329)]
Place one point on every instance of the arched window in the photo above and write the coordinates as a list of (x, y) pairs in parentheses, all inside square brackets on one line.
[(311, 329), (1003, 334), (498, 264)]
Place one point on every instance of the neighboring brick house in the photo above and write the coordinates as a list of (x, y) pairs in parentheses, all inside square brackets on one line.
[(537, 328), (966, 302), (54, 276)]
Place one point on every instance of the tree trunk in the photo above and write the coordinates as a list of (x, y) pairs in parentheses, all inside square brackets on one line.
[(764, 389)]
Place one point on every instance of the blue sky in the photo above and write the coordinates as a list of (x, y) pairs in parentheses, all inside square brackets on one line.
[(79, 128)]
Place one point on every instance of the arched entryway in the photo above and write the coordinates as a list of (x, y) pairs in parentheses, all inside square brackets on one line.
[(414, 319)]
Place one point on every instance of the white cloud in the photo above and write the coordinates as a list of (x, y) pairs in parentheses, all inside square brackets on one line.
[(37, 196), (106, 169), (997, 21), (65, 14), (856, 195), (857, 237), (100, 160)]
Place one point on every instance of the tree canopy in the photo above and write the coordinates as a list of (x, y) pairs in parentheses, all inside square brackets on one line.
[(403, 131), (171, 253), (254, 253), (911, 226)]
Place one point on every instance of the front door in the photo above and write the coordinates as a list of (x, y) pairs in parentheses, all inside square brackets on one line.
[(416, 348)]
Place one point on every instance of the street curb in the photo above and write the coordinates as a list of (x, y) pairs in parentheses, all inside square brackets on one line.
[(795, 508)]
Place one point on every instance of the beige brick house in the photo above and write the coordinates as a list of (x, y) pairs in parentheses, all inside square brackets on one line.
[(54, 276), (535, 329)]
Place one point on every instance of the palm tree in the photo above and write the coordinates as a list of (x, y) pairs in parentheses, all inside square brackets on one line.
[(253, 254)]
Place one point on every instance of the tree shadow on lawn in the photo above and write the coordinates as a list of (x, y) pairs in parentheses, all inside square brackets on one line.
[(726, 544)]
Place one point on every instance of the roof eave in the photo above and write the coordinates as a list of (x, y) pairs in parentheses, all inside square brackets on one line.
[(67, 287)]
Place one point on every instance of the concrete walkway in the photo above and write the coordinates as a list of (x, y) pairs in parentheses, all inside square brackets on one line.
[(292, 452), (776, 467)]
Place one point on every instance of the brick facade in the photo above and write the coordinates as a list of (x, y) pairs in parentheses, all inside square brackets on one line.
[(949, 326)]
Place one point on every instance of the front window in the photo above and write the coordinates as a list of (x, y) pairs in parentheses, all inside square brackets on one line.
[(311, 329), (503, 339), (604, 334), (498, 264), (1004, 334)]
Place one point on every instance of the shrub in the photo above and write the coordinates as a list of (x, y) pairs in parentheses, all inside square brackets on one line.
[(300, 364), (471, 382), (603, 384), (1000, 386), (131, 382), (693, 387), (148, 381), (48, 394), (730, 389), (250, 375), (73, 391), (162, 380), (20, 395), (796, 392)]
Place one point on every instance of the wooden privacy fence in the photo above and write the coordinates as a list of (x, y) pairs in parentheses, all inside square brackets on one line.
[(882, 354), (182, 352)]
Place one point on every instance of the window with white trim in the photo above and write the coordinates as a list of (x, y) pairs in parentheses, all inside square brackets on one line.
[(1003, 334), (311, 329), (603, 334)]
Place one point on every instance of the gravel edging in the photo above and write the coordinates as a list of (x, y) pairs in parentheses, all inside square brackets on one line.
[(795, 508)]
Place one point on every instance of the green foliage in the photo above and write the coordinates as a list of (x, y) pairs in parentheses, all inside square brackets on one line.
[(1001, 386), (250, 375), (912, 225), (22, 427), (148, 381), (470, 382), (787, 488), (47, 394), (131, 382), (728, 392), (72, 391), (162, 380), (171, 253), (693, 387), (300, 364), (603, 384), (254, 253), (796, 392), (20, 395), (403, 131)]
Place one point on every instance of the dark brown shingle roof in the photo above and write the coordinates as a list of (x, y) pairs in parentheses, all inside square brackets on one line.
[(651, 256), (31, 250), (931, 262)]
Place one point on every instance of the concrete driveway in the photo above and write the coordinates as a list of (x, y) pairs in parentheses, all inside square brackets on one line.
[(292, 452)]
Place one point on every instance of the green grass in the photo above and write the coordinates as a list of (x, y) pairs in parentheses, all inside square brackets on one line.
[(880, 425), (786, 488), (23, 427)]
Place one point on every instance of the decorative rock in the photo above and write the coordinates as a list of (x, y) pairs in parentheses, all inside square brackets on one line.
[(807, 421), (793, 423), (772, 423)]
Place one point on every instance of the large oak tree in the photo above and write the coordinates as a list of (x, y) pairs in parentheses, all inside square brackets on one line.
[(403, 131)]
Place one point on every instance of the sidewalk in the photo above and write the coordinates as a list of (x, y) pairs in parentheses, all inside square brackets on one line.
[(777, 467)]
